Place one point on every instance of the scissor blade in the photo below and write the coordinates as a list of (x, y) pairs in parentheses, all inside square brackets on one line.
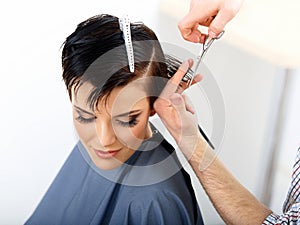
[(198, 63), (206, 45), (199, 59)]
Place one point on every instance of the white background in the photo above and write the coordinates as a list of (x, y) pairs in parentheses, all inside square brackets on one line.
[(36, 125)]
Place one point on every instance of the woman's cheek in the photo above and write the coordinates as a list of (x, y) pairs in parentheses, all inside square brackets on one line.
[(84, 131), (132, 137)]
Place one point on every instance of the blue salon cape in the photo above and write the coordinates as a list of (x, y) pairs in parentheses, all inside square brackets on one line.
[(150, 188)]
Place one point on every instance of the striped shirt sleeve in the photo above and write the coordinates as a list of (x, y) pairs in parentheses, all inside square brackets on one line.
[(291, 217), (291, 206)]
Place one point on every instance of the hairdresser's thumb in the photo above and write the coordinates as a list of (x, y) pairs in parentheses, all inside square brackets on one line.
[(216, 27), (178, 102), (219, 22)]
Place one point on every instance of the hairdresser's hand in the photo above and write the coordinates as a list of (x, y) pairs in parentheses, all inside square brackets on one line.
[(214, 14), (177, 113)]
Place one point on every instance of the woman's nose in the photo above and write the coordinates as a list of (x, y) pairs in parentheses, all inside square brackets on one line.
[(105, 133)]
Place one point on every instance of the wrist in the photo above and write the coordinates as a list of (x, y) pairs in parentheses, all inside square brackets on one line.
[(193, 147), (202, 156)]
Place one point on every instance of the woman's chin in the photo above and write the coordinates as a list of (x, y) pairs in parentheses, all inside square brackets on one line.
[(107, 164)]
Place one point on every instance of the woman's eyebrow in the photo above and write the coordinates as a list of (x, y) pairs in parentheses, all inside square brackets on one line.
[(128, 113), (82, 110)]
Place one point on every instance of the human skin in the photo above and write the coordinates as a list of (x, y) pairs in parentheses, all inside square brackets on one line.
[(234, 203), (117, 127), (214, 14)]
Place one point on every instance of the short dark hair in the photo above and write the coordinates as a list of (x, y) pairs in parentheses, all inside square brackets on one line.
[(96, 52)]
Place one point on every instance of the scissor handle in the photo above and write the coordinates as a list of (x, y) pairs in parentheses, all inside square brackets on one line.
[(220, 35), (205, 47), (207, 43)]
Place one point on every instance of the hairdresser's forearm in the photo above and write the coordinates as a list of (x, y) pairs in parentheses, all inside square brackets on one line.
[(234, 203)]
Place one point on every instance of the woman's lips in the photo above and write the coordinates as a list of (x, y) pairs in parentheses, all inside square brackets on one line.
[(106, 154)]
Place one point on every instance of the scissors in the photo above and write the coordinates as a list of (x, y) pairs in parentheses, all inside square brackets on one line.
[(190, 75), (207, 43)]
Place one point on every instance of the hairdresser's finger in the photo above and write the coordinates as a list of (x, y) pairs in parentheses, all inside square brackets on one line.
[(218, 25), (178, 103), (174, 82), (176, 79), (188, 28), (188, 104), (191, 62), (203, 38), (197, 79), (194, 18), (227, 11), (183, 68), (222, 18), (190, 33), (182, 86)]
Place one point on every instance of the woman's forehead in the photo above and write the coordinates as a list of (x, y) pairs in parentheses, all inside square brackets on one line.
[(119, 99)]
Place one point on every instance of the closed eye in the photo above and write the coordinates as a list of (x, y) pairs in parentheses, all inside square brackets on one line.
[(81, 119), (130, 123)]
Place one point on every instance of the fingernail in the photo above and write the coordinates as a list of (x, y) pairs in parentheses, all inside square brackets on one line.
[(212, 34), (190, 61)]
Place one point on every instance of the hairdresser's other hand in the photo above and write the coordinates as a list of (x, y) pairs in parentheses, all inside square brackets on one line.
[(214, 14), (176, 112)]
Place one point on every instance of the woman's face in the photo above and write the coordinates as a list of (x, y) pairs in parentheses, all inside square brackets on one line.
[(116, 129)]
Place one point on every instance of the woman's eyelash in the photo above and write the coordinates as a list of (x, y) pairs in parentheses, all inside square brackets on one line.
[(131, 123), (84, 120)]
